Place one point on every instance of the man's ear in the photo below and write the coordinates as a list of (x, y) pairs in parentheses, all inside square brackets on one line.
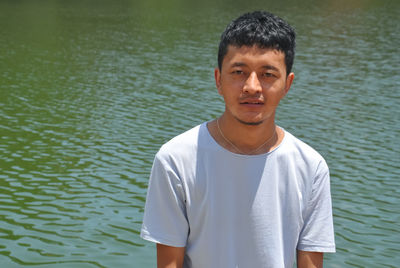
[(289, 82), (217, 76)]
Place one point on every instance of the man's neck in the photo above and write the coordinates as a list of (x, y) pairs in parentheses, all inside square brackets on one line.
[(243, 138)]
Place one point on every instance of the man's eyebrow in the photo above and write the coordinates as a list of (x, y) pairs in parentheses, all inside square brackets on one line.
[(270, 67), (267, 67), (238, 64)]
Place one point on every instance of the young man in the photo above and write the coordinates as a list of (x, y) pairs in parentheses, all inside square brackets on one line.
[(239, 191)]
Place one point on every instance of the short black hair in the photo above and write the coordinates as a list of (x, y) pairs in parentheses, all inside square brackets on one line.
[(262, 29)]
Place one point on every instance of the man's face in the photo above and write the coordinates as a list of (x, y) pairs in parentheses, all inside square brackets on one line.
[(252, 81)]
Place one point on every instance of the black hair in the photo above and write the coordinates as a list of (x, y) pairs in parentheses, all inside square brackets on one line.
[(262, 29)]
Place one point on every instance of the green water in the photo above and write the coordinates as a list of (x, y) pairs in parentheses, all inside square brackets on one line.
[(89, 90)]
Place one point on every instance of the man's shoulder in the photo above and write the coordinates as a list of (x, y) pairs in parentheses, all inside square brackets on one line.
[(301, 148), (184, 143)]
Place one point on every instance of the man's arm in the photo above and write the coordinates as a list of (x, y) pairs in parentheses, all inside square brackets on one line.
[(169, 257), (308, 259)]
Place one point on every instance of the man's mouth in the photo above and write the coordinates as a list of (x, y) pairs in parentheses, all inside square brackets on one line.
[(253, 102)]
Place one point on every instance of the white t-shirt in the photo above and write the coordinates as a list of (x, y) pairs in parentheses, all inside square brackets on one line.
[(232, 210)]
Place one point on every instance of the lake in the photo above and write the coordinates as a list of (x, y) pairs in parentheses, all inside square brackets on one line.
[(89, 90)]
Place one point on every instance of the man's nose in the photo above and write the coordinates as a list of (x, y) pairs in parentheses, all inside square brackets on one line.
[(252, 84)]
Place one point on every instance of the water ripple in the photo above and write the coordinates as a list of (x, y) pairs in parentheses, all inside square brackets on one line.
[(85, 103)]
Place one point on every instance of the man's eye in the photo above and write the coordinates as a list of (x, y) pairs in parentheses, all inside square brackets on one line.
[(237, 72), (269, 75)]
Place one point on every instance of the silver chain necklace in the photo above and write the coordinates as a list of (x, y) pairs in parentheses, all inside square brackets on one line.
[(236, 148)]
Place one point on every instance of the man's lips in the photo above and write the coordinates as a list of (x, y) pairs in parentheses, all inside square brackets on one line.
[(251, 102)]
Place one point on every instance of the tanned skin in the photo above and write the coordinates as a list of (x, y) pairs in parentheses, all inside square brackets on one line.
[(307, 259), (170, 257)]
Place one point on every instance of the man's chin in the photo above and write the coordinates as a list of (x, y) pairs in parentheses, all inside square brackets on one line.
[(249, 123)]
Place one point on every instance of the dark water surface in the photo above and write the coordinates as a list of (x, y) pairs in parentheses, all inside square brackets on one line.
[(89, 90)]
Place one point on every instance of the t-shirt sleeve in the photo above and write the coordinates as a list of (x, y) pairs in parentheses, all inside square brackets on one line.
[(165, 219), (317, 233)]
